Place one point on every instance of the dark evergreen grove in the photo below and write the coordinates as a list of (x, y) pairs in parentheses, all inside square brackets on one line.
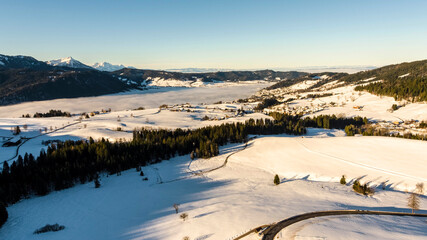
[(52, 113), (409, 88), (332, 121)]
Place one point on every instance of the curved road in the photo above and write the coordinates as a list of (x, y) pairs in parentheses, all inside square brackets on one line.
[(275, 229)]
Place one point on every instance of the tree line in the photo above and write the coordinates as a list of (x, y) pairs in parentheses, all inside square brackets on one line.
[(332, 121), (66, 163), (367, 130), (51, 113)]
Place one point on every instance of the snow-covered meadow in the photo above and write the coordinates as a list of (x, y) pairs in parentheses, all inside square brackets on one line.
[(241, 196), (224, 203)]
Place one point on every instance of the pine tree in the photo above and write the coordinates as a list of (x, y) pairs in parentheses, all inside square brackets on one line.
[(97, 183), (343, 181), (276, 180), (356, 186), (414, 202), (16, 130)]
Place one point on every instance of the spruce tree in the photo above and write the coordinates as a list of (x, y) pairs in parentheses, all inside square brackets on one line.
[(97, 183), (414, 202), (276, 180), (343, 181)]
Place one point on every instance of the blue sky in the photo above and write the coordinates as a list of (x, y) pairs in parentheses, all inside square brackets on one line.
[(234, 34)]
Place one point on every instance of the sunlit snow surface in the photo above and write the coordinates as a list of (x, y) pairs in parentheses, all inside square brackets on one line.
[(227, 202), (240, 196)]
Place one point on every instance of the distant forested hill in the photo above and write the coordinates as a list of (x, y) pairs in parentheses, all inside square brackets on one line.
[(20, 85), (401, 81), (140, 75), (331, 76)]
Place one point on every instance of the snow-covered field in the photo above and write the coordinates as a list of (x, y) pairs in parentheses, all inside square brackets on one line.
[(374, 107), (345, 100), (232, 200), (241, 196)]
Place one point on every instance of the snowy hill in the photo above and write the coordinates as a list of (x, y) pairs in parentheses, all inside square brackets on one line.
[(68, 62)]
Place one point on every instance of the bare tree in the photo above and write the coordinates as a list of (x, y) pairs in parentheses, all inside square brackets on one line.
[(183, 216), (419, 188), (176, 206), (414, 202)]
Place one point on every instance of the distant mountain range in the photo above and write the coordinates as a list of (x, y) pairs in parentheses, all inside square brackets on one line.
[(73, 63), (25, 78)]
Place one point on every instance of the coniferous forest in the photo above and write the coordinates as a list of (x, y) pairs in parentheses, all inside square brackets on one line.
[(413, 89)]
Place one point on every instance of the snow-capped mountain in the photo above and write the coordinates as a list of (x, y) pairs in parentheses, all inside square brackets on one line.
[(68, 62), (108, 67)]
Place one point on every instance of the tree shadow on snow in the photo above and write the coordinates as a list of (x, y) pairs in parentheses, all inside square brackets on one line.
[(188, 193)]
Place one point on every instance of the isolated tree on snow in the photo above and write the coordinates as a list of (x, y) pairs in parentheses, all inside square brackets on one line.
[(97, 183), (276, 180), (176, 207), (419, 188), (16, 130), (394, 107), (356, 185), (414, 202), (183, 216), (343, 181)]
